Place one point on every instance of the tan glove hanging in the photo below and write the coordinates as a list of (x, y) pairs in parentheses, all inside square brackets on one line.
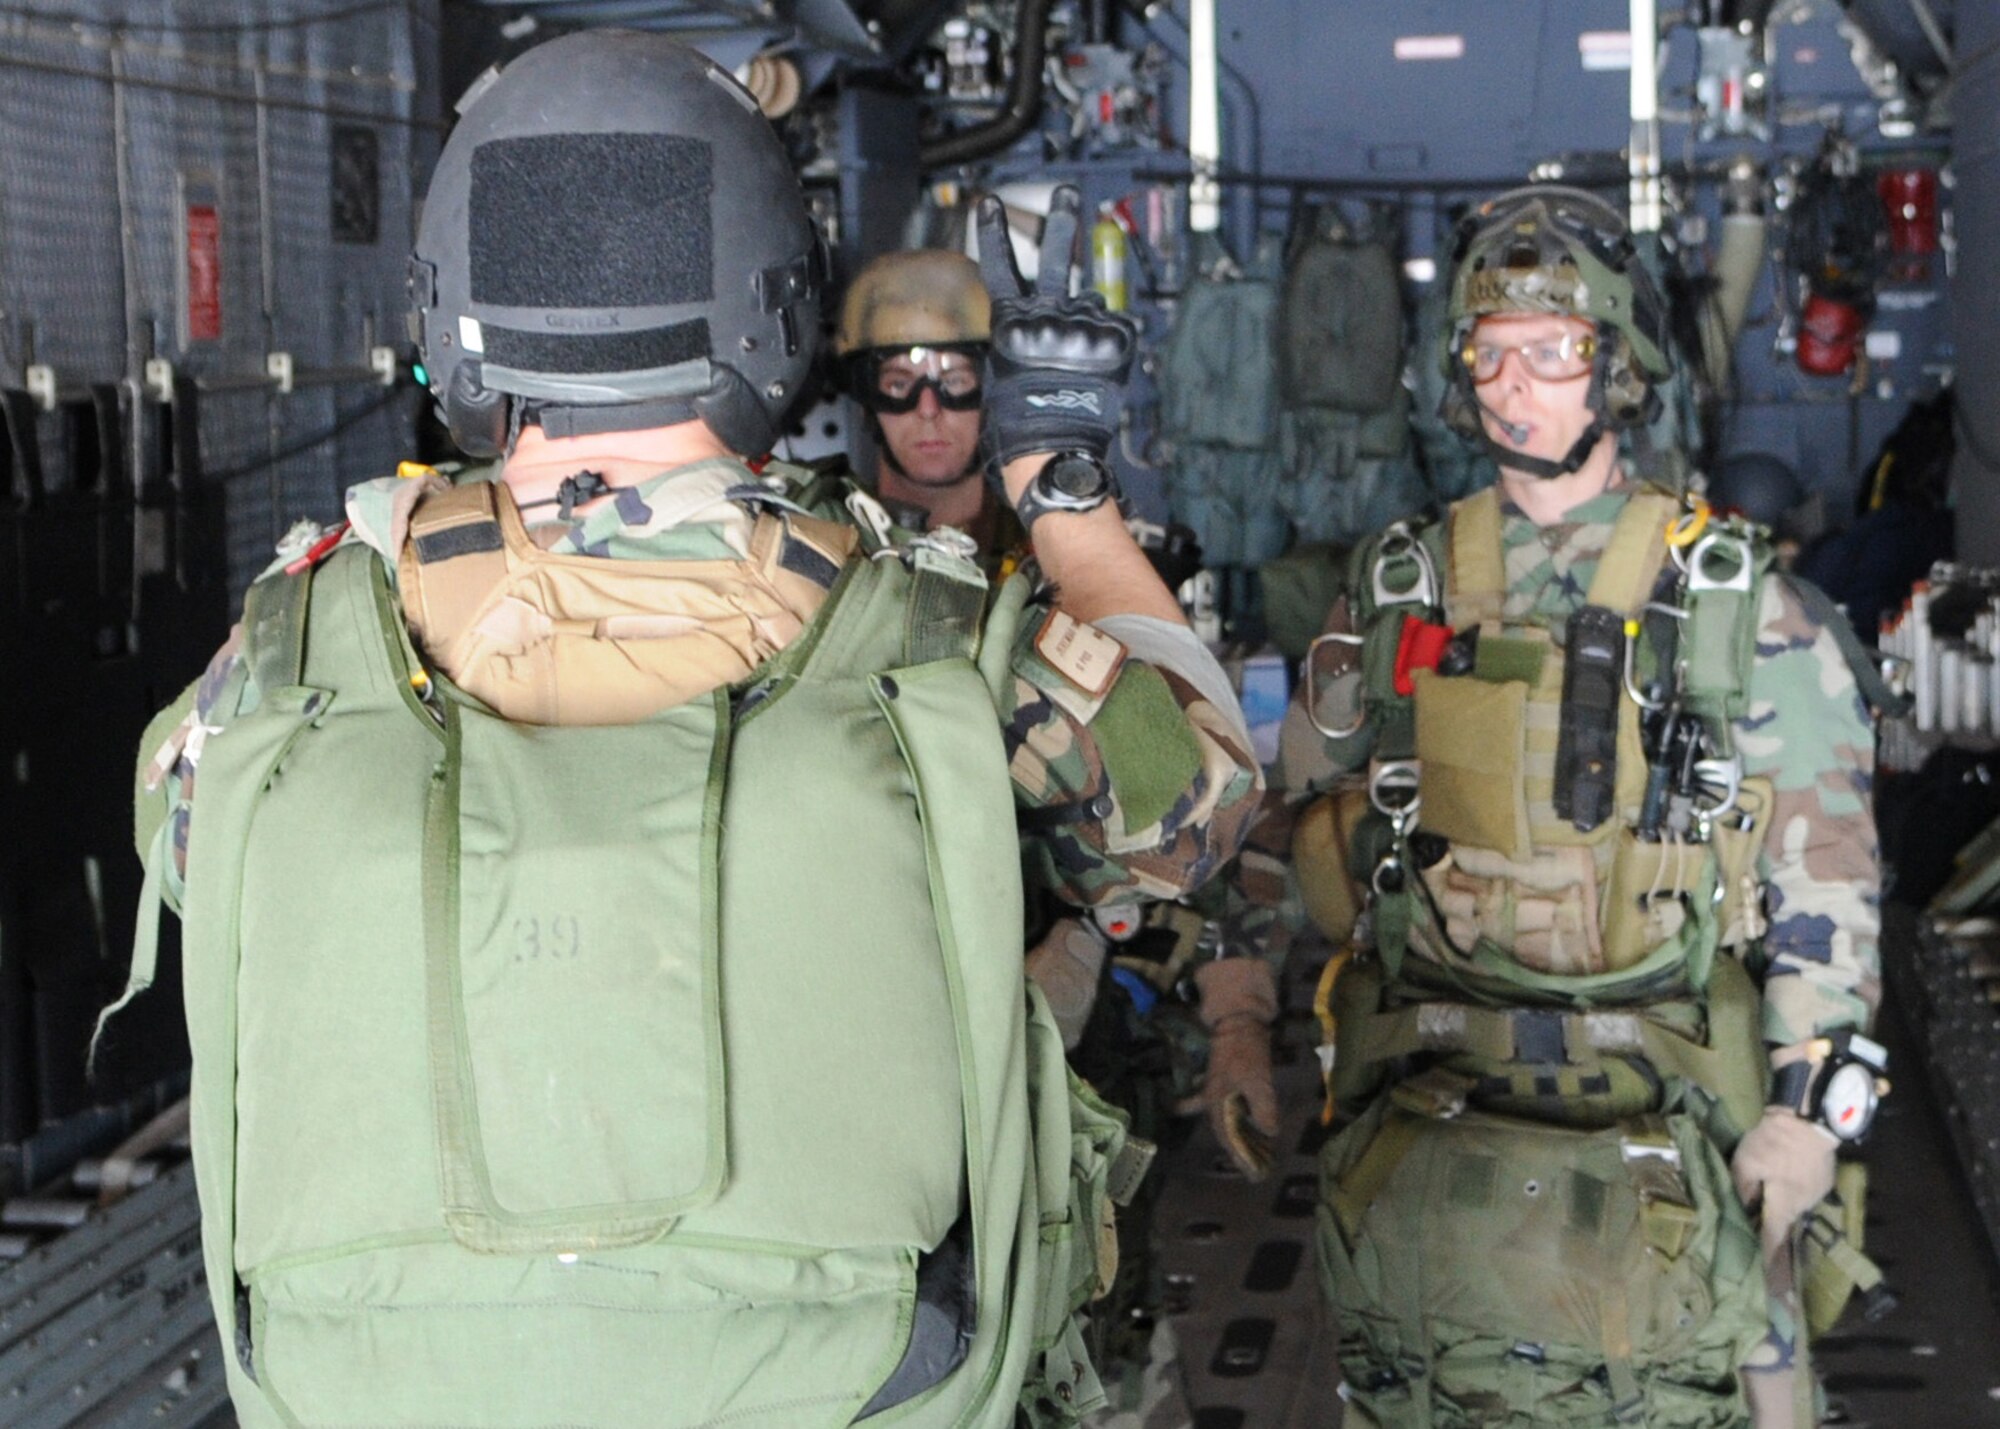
[(1239, 1002), (1066, 966)]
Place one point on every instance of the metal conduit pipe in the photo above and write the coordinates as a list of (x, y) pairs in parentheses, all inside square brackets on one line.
[(1024, 98)]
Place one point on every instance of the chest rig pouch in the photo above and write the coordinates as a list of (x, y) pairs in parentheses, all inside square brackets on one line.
[(1532, 759), (551, 639)]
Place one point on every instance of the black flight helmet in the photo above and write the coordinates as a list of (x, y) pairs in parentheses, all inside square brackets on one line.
[(614, 240)]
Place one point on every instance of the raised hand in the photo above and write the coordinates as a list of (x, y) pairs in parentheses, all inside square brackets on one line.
[(1058, 363)]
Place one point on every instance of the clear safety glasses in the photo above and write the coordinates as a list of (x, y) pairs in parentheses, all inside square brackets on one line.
[(1553, 359), (899, 376)]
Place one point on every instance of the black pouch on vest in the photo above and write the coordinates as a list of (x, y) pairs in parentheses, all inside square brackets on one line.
[(1586, 773)]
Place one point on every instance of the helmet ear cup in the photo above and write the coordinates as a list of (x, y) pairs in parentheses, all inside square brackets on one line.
[(476, 415), (735, 413), (1629, 399)]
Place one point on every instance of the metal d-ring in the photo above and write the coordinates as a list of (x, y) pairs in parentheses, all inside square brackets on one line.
[(1698, 577), (1351, 729), (1395, 788)]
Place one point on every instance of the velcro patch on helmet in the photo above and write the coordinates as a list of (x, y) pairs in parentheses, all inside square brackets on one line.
[(616, 351), (591, 221)]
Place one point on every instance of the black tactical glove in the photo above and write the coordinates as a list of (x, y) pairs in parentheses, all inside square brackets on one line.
[(1057, 364)]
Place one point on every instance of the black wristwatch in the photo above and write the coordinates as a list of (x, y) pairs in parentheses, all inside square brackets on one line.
[(1841, 1089), (1068, 481)]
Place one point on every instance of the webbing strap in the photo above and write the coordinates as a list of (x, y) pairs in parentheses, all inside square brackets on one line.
[(1508, 1034), (996, 646), (1476, 586), (274, 634), (1832, 1242), (1867, 674), (1630, 566), (145, 940), (1861, 1272), (1628, 1404), (1516, 1035), (1433, 1027), (947, 597), (1355, 1192)]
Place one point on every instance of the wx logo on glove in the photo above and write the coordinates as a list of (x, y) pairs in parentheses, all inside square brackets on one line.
[(1069, 400)]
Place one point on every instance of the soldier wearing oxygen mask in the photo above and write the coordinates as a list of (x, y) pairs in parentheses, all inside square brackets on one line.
[(600, 878), (1605, 1030)]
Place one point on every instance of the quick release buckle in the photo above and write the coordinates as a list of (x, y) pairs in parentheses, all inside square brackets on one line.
[(1733, 554), (1399, 543)]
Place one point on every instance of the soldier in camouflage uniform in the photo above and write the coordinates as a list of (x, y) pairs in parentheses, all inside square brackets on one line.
[(1130, 767), (912, 342), (1555, 895)]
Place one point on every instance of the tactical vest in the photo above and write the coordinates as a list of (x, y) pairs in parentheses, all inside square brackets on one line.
[(675, 1073), (1531, 1220)]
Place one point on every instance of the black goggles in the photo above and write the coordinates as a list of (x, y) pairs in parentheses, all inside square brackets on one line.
[(893, 380)]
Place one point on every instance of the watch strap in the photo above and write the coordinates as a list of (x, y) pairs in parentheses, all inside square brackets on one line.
[(1031, 507), (1790, 1085)]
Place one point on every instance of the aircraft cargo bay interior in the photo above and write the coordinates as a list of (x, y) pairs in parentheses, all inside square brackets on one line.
[(1008, 714)]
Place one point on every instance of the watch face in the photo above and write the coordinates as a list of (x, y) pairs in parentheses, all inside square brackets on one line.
[(1848, 1104), (1076, 477)]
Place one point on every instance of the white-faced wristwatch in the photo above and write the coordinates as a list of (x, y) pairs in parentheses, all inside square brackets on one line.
[(1839, 1084), (1068, 481)]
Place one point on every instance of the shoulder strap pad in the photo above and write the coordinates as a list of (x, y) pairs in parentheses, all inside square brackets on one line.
[(274, 634), (1476, 584), (1630, 567)]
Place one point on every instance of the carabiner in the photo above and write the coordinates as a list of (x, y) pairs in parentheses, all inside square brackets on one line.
[(1639, 697), (1347, 731)]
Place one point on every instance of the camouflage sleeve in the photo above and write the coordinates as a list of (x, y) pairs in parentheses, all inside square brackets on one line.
[(1808, 731), (1262, 912), (1129, 779), (169, 754)]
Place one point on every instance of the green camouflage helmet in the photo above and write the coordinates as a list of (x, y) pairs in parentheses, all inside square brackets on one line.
[(1549, 249)]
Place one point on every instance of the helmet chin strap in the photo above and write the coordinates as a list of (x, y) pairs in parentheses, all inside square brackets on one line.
[(1535, 466)]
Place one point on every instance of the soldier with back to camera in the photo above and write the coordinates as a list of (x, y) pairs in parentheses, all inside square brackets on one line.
[(600, 878)]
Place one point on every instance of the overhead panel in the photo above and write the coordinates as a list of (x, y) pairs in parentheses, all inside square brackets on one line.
[(1441, 91)]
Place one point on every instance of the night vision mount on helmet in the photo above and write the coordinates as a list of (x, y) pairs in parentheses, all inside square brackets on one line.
[(614, 240), (1550, 249)]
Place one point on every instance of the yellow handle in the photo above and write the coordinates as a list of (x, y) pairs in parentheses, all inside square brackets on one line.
[(1329, 1023), (1684, 530)]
